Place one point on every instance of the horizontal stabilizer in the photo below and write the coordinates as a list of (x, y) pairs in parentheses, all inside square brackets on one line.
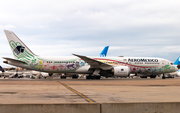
[(14, 60)]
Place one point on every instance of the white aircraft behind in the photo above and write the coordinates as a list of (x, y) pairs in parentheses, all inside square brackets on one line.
[(35, 74), (78, 64), (11, 74)]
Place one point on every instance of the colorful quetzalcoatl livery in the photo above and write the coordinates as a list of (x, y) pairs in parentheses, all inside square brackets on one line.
[(93, 66)]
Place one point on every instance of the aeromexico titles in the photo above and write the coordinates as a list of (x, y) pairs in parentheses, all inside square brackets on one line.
[(78, 64)]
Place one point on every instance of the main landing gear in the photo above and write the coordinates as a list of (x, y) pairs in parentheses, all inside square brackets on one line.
[(143, 76), (63, 77), (74, 76), (93, 77), (152, 76)]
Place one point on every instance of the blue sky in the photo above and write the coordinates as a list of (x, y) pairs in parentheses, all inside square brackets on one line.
[(148, 28)]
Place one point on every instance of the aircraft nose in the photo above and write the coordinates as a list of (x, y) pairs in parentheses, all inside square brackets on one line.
[(177, 67)]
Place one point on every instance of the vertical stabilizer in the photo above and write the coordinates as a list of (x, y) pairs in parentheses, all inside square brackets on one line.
[(104, 52), (177, 61), (1, 69), (19, 49)]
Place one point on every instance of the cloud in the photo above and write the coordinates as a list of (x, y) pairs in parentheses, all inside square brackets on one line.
[(7, 26)]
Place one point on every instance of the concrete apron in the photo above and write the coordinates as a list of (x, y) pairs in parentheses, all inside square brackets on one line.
[(143, 107)]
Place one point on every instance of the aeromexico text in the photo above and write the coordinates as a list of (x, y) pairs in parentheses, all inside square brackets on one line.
[(142, 60)]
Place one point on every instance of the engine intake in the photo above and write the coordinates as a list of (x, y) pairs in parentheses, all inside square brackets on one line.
[(121, 71)]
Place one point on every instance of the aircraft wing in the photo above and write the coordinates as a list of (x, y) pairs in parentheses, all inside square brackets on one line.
[(94, 63), (14, 60)]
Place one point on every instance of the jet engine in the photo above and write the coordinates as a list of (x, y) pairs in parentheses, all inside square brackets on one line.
[(121, 71)]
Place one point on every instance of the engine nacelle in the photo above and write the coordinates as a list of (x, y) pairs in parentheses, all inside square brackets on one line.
[(121, 71)]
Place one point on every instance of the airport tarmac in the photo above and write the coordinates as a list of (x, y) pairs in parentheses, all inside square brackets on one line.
[(32, 91)]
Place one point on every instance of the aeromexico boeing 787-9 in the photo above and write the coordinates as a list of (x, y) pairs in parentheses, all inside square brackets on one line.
[(93, 66)]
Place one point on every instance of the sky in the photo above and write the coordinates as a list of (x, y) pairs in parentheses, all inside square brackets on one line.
[(133, 28)]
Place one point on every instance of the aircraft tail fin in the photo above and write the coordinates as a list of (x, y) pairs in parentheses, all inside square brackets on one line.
[(177, 61), (1, 69), (19, 49), (104, 52)]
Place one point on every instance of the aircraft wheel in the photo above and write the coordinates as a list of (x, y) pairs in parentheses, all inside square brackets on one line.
[(63, 77), (153, 76), (93, 77), (143, 76), (163, 77), (74, 77), (98, 77), (88, 77)]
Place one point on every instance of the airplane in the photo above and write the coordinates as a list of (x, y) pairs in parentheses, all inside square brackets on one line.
[(78, 64), (19, 74), (10, 73)]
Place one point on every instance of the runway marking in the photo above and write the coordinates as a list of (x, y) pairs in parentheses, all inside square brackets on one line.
[(80, 94)]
